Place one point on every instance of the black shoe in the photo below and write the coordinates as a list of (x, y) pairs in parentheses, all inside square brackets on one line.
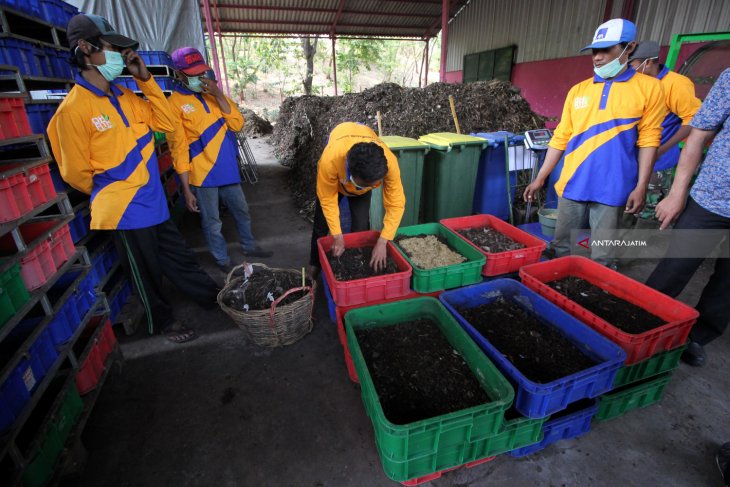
[(694, 355), (226, 268), (723, 463), (258, 252)]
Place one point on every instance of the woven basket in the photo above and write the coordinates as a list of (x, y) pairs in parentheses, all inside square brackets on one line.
[(278, 325)]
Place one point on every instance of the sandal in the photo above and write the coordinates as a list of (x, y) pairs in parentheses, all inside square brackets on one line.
[(177, 333)]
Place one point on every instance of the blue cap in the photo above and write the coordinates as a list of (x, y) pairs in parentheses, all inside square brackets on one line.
[(611, 33)]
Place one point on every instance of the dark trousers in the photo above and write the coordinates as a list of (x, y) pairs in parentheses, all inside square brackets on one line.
[(158, 251), (672, 275), (359, 213)]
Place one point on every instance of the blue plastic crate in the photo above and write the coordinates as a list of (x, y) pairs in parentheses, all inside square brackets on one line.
[(14, 394), (39, 115), (118, 301), (43, 63), (64, 324), (155, 58), (30, 7), (18, 53), (68, 12), (60, 67), (536, 400), (563, 427), (79, 226), (331, 306), (57, 12)]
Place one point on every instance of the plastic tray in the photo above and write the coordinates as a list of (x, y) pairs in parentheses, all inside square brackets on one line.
[(433, 436), (535, 400), (13, 294), (438, 474), (501, 262), (447, 277), (678, 316), (14, 198), (562, 427), (635, 396), (658, 364), (40, 185), (371, 289), (13, 119), (40, 114)]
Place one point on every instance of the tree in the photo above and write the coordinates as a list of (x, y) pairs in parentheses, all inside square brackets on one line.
[(356, 54), (309, 47)]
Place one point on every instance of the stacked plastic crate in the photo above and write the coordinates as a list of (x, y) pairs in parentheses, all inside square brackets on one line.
[(651, 356), (48, 300)]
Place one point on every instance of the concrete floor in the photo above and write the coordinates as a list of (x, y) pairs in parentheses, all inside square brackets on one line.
[(221, 412)]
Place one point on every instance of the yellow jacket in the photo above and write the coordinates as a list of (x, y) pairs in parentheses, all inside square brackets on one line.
[(332, 178)]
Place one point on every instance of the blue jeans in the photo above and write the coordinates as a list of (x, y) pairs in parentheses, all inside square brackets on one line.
[(232, 196)]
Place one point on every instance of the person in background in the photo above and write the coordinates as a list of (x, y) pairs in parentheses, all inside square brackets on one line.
[(706, 206), (608, 133), (101, 137), (723, 462), (204, 152), (680, 99), (353, 163)]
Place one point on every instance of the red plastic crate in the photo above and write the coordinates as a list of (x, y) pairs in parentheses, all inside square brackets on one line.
[(91, 370), (14, 198), (437, 475), (13, 119), (107, 340), (40, 185), (62, 247), (340, 313), (502, 262), (371, 289), (678, 316), (164, 162), (37, 266)]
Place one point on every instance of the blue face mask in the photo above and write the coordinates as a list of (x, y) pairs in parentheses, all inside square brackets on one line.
[(194, 84), (611, 69), (113, 66)]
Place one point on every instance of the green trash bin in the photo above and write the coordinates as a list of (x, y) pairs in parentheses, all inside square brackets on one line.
[(410, 154), (449, 175)]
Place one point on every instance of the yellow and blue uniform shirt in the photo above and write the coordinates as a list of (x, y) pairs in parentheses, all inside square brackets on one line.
[(204, 143), (679, 96), (333, 178), (104, 147), (604, 122)]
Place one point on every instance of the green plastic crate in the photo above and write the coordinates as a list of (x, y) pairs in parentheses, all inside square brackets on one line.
[(448, 277), (450, 174), (640, 395), (68, 413), (410, 154), (160, 137), (658, 364), (515, 433), (434, 437), (13, 294), (41, 468)]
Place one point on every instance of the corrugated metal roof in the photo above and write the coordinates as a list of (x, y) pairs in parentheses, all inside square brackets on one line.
[(391, 18), (549, 29)]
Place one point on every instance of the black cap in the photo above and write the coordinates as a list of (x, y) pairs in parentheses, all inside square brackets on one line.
[(86, 26), (645, 50)]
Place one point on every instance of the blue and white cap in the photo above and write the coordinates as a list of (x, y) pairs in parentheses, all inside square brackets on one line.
[(611, 33)]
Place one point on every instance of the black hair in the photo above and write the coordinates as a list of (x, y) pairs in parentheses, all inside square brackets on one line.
[(623, 46), (367, 162), (77, 58)]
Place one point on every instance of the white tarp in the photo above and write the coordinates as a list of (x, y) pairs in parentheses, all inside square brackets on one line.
[(158, 25)]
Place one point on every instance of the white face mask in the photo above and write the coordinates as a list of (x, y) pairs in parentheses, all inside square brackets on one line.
[(611, 69)]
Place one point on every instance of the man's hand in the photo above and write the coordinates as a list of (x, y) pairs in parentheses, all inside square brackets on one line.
[(636, 201), (136, 65), (210, 87), (669, 209), (379, 256), (191, 202), (338, 248), (532, 189)]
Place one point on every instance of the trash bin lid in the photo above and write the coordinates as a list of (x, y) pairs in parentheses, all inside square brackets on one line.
[(495, 138), (445, 141), (396, 142)]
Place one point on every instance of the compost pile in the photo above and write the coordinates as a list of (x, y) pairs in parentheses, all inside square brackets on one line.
[(616, 311), (355, 264), (429, 251), (255, 126), (536, 349), (305, 122), (262, 288), (417, 373), (490, 240)]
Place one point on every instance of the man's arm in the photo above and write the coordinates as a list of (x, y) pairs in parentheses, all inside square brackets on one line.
[(551, 160), (637, 199), (681, 134)]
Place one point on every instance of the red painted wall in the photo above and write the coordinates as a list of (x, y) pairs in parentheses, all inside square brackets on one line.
[(545, 84)]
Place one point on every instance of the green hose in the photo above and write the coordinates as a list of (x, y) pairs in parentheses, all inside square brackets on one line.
[(140, 285)]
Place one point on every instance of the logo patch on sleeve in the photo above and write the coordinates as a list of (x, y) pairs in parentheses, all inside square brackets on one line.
[(102, 123), (580, 102), (187, 108)]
